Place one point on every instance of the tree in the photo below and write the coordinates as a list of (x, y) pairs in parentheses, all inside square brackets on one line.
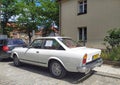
[(8, 9), (33, 13), (27, 11), (50, 11)]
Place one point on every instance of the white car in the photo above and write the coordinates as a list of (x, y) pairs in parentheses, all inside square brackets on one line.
[(59, 54)]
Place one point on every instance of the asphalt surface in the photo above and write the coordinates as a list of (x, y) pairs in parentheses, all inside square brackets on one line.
[(35, 75)]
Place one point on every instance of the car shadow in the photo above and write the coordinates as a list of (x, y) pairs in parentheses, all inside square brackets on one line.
[(76, 78), (71, 77), (7, 60)]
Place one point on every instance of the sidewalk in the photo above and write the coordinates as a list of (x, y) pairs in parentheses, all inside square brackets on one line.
[(108, 69)]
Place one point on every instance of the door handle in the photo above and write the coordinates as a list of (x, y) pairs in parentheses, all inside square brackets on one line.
[(37, 51)]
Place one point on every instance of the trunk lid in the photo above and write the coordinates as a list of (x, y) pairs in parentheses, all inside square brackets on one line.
[(92, 53)]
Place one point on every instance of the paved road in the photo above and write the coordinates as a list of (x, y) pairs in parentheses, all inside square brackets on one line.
[(34, 75)]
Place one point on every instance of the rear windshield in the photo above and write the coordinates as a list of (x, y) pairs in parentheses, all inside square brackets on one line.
[(15, 41), (69, 42)]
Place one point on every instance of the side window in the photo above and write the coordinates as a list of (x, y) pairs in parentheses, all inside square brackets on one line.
[(37, 43), (52, 44)]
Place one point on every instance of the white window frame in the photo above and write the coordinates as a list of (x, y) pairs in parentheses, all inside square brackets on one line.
[(82, 11)]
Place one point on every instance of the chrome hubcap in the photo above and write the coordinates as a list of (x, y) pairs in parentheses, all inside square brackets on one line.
[(56, 69), (16, 61)]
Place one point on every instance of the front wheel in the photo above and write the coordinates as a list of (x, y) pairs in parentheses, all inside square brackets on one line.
[(16, 61), (57, 70)]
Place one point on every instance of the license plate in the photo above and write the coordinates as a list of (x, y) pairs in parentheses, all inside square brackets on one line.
[(95, 56)]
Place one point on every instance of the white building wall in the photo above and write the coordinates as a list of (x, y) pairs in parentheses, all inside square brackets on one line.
[(102, 15)]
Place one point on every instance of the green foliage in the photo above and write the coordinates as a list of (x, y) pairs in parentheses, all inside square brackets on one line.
[(50, 10), (27, 11), (112, 54), (32, 15), (112, 51), (8, 9), (113, 38)]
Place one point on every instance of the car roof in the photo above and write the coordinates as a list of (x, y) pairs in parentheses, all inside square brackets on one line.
[(9, 38)]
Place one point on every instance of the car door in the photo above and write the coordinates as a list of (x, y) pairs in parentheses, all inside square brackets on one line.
[(51, 48), (33, 53)]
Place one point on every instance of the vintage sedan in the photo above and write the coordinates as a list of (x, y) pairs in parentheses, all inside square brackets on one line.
[(59, 54)]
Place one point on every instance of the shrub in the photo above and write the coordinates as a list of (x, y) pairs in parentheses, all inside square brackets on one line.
[(113, 38), (112, 54), (112, 51)]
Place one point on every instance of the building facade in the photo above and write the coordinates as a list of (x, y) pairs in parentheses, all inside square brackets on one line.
[(89, 20)]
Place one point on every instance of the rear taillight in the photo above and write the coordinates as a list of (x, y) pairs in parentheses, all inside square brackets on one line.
[(5, 48), (84, 59)]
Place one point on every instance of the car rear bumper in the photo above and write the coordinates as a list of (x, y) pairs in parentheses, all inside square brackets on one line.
[(5, 55), (89, 66)]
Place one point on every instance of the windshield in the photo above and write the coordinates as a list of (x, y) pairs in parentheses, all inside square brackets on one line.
[(69, 42)]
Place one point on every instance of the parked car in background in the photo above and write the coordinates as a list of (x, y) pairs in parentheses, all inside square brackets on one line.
[(7, 45), (59, 54)]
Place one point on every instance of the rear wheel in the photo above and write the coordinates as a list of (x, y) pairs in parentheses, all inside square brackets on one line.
[(16, 61), (57, 70)]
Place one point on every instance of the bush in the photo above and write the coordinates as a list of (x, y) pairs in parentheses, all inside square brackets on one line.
[(113, 38), (112, 54), (112, 51)]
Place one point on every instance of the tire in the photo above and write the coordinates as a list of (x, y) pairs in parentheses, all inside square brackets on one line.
[(16, 61), (57, 70)]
